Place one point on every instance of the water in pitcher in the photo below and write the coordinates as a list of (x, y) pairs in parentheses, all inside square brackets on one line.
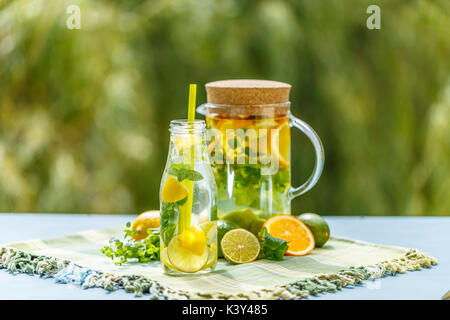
[(251, 163)]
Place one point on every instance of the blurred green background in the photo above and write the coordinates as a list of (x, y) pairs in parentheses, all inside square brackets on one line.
[(84, 113)]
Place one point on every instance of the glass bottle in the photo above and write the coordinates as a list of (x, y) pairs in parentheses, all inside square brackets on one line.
[(188, 202)]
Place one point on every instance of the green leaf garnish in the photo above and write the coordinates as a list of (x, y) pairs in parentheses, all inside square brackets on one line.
[(271, 248), (123, 250), (183, 173), (169, 221)]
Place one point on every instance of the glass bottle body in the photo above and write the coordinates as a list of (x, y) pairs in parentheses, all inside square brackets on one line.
[(188, 202)]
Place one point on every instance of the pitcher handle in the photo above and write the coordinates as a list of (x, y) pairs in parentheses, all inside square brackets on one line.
[(320, 157)]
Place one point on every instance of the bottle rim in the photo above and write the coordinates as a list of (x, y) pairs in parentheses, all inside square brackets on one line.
[(180, 126)]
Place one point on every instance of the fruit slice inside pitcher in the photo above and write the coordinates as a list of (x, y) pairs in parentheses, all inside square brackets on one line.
[(280, 144), (238, 160), (275, 132)]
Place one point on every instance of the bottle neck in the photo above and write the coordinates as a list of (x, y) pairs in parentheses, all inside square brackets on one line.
[(188, 141)]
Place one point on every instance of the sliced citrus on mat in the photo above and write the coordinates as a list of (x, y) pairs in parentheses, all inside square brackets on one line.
[(173, 190), (223, 227), (299, 237), (143, 222), (240, 246), (281, 143), (188, 252)]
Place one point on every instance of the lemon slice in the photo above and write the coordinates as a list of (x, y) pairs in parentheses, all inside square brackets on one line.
[(210, 229), (280, 148), (165, 259), (189, 252), (240, 246), (225, 124), (268, 123), (212, 256), (173, 190), (193, 239)]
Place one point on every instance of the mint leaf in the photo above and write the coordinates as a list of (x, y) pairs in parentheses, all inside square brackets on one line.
[(169, 220), (181, 202), (174, 171), (182, 173), (271, 248), (191, 175)]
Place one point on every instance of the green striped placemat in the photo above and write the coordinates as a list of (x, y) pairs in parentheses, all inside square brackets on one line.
[(77, 259)]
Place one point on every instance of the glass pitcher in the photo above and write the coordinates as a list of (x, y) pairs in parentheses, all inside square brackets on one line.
[(188, 205), (249, 143)]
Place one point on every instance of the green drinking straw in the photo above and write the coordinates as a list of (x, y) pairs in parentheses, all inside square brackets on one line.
[(186, 210)]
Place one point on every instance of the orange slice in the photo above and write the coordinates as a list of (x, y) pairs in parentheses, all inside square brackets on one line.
[(299, 237)]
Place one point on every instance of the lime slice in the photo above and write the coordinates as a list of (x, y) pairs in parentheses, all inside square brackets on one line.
[(240, 246), (189, 252), (223, 226)]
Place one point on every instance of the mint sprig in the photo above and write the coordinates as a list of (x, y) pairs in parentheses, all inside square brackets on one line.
[(271, 248), (183, 173), (123, 250)]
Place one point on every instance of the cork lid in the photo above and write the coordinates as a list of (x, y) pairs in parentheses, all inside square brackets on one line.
[(247, 92)]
